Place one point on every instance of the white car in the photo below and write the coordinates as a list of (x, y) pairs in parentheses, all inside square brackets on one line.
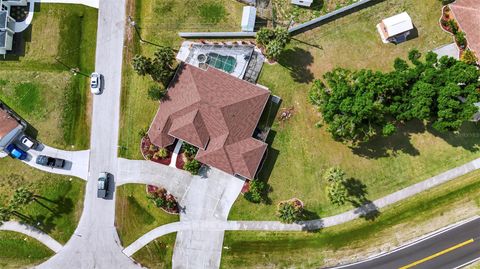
[(96, 83), (27, 142)]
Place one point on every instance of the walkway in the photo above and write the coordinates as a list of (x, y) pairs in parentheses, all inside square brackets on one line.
[(76, 161), (178, 147), (220, 224), (33, 232)]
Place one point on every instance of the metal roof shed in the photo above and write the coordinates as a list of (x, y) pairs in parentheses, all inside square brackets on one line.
[(248, 18)]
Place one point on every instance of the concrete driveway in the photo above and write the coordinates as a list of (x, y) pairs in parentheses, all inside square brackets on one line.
[(76, 161)]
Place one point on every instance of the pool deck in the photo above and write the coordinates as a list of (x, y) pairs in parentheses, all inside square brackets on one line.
[(189, 52)]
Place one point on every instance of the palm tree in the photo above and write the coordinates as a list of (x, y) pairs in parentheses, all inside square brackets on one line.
[(22, 197)]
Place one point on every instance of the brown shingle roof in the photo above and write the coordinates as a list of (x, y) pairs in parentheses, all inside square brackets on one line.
[(7, 123), (467, 14), (215, 112)]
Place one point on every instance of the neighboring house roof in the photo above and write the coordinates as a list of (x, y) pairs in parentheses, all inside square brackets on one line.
[(397, 24), (467, 14), (7, 123), (216, 112)]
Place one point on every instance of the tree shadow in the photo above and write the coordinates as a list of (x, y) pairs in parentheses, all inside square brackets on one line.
[(297, 60), (357, 192), (399, 142), (270, 159), (467, 137), (368, 211), (310, 215)]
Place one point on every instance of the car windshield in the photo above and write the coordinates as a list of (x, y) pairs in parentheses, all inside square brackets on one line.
[(101, 184)]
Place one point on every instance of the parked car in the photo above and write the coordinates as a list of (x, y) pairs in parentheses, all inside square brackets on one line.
[(50, 161), (16, 153), (28, 142), (96, 83), (103, 181)]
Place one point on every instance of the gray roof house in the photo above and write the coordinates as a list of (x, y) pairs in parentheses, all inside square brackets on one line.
[(7, 24)]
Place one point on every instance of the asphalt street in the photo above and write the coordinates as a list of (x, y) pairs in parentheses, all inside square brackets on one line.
[(446, 250)]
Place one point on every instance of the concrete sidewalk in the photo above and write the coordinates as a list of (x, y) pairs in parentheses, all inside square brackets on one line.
[(33, 232)]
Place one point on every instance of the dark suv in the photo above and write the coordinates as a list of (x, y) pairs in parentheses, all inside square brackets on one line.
[(102, 187), (50, 161)]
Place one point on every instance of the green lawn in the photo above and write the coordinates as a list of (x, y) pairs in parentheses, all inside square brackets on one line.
[(394, 226), (301, 153), (284, 10), (136, 214), (158, 253), (20, 251), (60, 199), (159, 23), (39, 84)]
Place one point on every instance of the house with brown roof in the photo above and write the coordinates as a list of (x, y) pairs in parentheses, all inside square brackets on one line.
[(216, 112), (467, 15), (10, 127)]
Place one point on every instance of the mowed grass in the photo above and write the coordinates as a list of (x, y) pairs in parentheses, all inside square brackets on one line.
[(301, 152), (158, 253), (20, 251), (60, 198), (136, 214), (159, 22), (355, 240), (38, 84)]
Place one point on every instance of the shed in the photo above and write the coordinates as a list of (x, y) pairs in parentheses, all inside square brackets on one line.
[(305, 3), (248, 18), (396, 28)]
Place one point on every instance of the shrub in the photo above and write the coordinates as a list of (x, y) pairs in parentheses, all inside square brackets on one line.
[(159, 201), (171, 204), (142, 65), (157, 93), (148, 156), (257, 192), (461, 40), (469, 57), (273, 40), (153, 147), (388, 129), (336, 191), (452, 25), (161, 153), (190, 150), (289, 211), (192, 166)]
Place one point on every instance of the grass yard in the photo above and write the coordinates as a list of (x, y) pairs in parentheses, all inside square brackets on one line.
[(158, 253), (397, 224), (20, 251), (137, 215), (38, 83), (285, 11), (301, 153), (60, 199), (159, 23)]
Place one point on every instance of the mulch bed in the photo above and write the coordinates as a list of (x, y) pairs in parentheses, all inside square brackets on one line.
[(145, 148), (180, 160), (156, 191)]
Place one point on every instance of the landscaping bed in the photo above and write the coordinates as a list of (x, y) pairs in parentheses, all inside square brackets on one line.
[(162, 199), (151, 152)]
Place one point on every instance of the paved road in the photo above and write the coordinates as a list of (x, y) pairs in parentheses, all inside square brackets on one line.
[(95, 243), (449, 249), (47, 240)]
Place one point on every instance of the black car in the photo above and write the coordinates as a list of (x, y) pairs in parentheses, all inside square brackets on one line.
[(102, 187), (50, 161)]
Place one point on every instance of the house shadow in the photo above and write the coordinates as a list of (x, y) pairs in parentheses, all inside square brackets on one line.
[(270, 159), (467, 137), (296, 60), (413, 33), (380, 146)]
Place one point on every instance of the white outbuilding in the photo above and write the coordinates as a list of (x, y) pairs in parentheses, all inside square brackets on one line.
[(305, 3), (248, 18), (396, 28)]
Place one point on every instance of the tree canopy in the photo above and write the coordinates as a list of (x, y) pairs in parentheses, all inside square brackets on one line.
[(357, 105), (273, 40)]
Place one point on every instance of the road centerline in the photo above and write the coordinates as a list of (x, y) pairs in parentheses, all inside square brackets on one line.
[(440, 253)]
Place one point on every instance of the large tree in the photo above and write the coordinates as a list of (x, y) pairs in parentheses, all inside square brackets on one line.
[(273, 40), (356, 104)]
